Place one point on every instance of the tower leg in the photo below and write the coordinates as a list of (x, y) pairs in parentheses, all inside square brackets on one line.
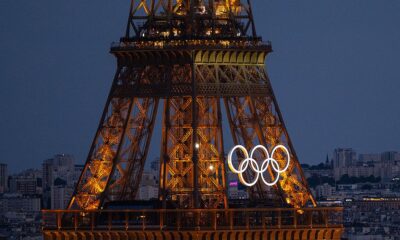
[(257, 120), (245, 131), (98, 167), (293, 183), (120, 146), (177, 168), (130, 162)]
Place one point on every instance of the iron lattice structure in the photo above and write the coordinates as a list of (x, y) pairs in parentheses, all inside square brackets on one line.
[(200, 59)]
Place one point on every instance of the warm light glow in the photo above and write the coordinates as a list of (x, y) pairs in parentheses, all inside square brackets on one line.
[(300, 211), (249, 160), (197, 145)]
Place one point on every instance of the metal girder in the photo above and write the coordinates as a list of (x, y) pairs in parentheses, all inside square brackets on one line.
[(257, 120), (116, 158), (173, 19), (293, 183), (177, 183), (245, 131), (129, 164), (213, 80), (106, 144), (192, 161), (192, 155), (182, 143)]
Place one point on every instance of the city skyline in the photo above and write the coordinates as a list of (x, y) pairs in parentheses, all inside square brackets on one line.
[(368, 183), (52, 100), (149, 162)]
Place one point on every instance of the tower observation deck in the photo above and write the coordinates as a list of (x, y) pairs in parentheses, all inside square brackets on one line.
[(195, 61)]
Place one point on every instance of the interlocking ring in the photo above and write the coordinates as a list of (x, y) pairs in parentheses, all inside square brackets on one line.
[(244, 164)]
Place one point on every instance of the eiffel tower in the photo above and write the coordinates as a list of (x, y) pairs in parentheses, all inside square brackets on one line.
[(196, 61)]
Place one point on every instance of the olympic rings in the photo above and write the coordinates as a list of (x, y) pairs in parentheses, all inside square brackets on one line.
[(249, 160)]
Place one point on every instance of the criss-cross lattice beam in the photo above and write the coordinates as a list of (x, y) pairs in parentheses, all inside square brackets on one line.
[(211, 153), (293, 183), (177, 18), (117, 156), (257, 120), (104, 149), (177, 177), (192, 156), (192, 159), (177, 182), (130, 162), (245, 131)]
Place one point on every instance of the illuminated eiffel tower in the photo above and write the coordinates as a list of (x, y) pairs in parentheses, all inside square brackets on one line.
[(197, 60)]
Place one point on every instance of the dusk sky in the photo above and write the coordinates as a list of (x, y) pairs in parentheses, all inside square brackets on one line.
[(335, 70)]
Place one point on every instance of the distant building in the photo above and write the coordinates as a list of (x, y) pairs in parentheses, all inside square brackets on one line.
[(369, 157), (3, 177), (147, 192), (236, 190), (78, 169), (324, 191), (372, 218), (347, 187), (24, 185), (15, 202), (385, 165), (155, 167), (321, 170), (390, 156), (47, 173), (148, 188), (60, 168), (60, 196), (149, 179), (342, 159), (389, 165), (64, 168)]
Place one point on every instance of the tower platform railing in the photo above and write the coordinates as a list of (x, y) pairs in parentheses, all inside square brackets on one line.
[(192, 219)]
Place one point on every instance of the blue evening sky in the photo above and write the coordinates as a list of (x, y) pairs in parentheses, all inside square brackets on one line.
[(335, 70)]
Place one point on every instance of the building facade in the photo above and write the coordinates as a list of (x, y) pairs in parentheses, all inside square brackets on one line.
[(3, 177)]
